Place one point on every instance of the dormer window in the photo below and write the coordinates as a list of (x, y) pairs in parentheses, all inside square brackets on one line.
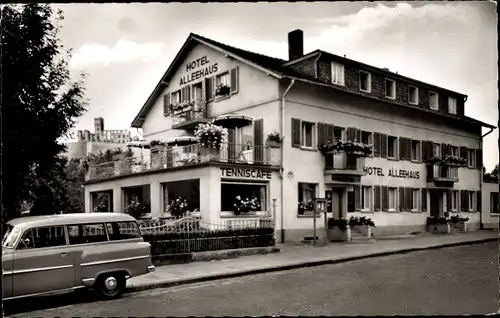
[(434, 100), (390, 88), (365, 82), (337, 73), (413, 95), (452, 105)]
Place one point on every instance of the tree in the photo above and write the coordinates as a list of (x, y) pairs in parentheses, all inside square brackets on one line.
[(39, 105), (491, 176)]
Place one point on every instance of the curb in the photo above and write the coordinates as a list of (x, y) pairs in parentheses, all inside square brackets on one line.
[(298, 265)]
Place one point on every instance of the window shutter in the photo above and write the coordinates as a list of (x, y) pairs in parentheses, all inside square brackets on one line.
[(358, 135), (401, 199), (321, 134), (449, 149), (295, 132), (443, 150), (383, 145), (376, 201), (376, 144), (462, 200), (449, 194), (329, 161), (478, 201), (385, 198), (408, 196), (166, 104), (231, 140), (209, 88), (351, 133), (426, 151), (402, 141), (234, 80), (463, 152), (466, 200), (424, 199), (479, 159), (329, 132), (408, 149), (170, 157), (357, 198), (258, 137)]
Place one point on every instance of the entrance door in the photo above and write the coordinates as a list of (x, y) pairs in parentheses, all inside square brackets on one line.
[(435, 203), (337, 203)]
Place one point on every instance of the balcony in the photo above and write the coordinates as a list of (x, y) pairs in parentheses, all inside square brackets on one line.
[(184, 156), (189, 117), (441, 175), (342, 164)]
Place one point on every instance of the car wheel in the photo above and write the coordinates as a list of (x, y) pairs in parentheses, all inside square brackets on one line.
[(111, 286)]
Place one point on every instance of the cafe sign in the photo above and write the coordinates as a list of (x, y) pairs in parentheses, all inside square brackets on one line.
[(198, 69), (246, 173), (392, 172)]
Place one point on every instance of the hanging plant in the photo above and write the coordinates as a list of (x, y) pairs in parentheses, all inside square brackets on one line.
[(210, 135), (275, 137)]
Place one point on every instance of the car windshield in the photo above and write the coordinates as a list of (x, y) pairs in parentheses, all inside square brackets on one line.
[(10, 236)]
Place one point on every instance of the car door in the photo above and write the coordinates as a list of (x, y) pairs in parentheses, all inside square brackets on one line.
[(7, 266), (42, 263)]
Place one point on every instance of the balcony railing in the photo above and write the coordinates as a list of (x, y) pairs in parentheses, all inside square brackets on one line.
[(191, 116), (438, 172), (184, 156), (344, 164)]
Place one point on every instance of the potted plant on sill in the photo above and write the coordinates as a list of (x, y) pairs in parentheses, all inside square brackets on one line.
[(453, 161), (211, 138), (338, 230), (438, 225), (362, 225), (134, 209), (178, 207), (305, 206), (245, 205), (222, 90), (274, 140), (459, 222)]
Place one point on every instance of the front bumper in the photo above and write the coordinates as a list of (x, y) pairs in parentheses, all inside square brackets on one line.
[(151, 268)]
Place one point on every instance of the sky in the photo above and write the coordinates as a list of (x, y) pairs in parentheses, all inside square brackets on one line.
[(125, 48)]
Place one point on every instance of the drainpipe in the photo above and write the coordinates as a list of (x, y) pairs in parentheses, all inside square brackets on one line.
[(316, 66), (283, 156), (481, 179)]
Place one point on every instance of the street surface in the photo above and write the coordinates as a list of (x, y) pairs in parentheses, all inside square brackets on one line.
[(449, 281)]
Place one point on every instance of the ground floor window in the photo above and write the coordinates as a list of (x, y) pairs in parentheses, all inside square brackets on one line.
[(454, 200), (366, 198), (307, 193), (137, 200), (393, 195), (494, 208), (102, 201), (415, 201), (180, 197), (243, 198), (472, 200)]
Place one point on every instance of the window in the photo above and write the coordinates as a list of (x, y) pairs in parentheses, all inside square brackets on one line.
[(366, 198), (454, 200), (187, 189), (223, 79), (175, 97), (433, 100), (390, 88), (416, 199), (338, 133), (123, 230), (471, 158), (365, 81), (366, 137), (413, 95), (43, 237), (87, 233), (472, 200), (454, 151), (415, 150), (452, 105), (393, 194), (392, 147), (436, 150), (247, 192), (337, 73), (494, 208), (307, 135), (307, 193)]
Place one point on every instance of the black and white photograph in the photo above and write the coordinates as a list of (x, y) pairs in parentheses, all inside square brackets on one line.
[(250, 159)]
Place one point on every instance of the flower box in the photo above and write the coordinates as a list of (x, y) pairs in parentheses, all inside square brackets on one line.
[(222, 90), (338, 234), (273, 144), (366, 230), (439, 228)]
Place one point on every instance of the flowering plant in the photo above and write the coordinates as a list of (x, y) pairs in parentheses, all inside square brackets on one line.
[(178, 207), (100, 207), (306, 205), (134, 208), (275, 137), (245, 205), (156, 142), (433, 220), (451, 160), (175, 107), (222, 90), (341, 223), (458, 218), (357, 221), (349, 147), (210, 135)]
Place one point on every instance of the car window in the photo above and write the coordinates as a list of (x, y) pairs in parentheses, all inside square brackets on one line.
[(86, 233), (10, 236), (123, 230), (43, 237)]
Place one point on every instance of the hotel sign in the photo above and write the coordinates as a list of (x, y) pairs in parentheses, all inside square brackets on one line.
[(198, 69), (392, 172), (246, 173)]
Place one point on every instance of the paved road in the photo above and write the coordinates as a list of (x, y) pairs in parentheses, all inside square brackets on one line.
[(457, 280)]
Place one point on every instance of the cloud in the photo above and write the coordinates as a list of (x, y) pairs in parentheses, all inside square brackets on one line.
[(91, 54)]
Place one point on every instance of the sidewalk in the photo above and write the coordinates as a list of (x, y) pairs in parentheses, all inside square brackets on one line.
[(296, 256)]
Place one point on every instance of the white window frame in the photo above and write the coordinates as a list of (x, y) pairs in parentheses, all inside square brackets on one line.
[(219, 77), (471, 158), (173, 96), (472, 201), (415, 199), (436, 150), (410, 87), (393, 90), (338, 79), (454, 200), (418, 153), (366, 198), (435, 107), (452, 105), (266, 191), (394, 200), (302, 134), (369, 82), (395, 147)]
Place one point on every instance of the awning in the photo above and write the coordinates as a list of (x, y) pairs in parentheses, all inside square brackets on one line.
[(139, 144), (182, 140), (232, 121)]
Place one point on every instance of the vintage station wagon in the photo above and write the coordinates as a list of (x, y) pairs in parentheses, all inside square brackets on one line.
[(57, 253)]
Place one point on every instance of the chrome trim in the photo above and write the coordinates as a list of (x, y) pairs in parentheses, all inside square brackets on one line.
[(88, 280), (151, 268), (114, 261), (39, 269), (45, 293)]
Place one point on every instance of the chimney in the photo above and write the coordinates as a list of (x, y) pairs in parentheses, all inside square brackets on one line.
[(295, 44)]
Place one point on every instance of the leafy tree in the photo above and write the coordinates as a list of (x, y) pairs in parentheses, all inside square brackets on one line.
[(491, 176), (39, 105)]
